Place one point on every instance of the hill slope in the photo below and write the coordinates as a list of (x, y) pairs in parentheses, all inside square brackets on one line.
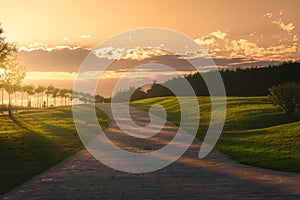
[(255, 132)]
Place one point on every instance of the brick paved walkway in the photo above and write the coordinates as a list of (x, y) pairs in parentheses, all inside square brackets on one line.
[(215, 177)]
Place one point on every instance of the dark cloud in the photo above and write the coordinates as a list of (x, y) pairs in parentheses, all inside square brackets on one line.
[(68, 60)]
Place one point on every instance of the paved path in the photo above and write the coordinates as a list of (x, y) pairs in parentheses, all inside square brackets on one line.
[(215, 177)]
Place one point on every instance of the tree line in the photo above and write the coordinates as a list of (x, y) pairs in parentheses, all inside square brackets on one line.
[(31, 96), (253, 81)]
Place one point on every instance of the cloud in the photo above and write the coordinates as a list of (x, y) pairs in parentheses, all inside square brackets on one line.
[(279, 45), (50, 76), (212, 38), (57, 59), (220, 45), (214, 42), (137, 53), (85, 36), (45, 47), (252, 34), (244, 48), (144, 53), (248, 49), (205, 40), (279, 21), (286, 27), (281, 12), (269, 15), (109, 52), (219, 34)]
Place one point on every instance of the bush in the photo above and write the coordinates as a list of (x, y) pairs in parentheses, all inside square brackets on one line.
[(286, 96), (131, 94)]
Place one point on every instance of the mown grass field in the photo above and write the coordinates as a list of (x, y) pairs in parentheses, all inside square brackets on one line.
[(255, 132), (33, 141)]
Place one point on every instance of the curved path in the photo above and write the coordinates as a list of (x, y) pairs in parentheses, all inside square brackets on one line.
[(214, 177)]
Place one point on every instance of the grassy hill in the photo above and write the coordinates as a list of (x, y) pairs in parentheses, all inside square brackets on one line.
[(255, 132), (33, 141)]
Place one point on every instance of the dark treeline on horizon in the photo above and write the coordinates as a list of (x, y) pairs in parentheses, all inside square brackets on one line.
[(250, 81), (239, 82)]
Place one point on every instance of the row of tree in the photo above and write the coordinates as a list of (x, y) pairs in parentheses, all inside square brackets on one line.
[(11, 75), (39, 96)]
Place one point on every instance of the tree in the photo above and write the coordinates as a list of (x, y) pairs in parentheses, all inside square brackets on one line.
[(16, 88), (86, 97), (29, 89), (70, 96), (22, 95), (6, 50), (49, 90), (158, 90), (63, 95), (286, 96), (2, 93), (66, 94), (55, 93), (40, 90), (99, 99), (12, 77), (139, 93)]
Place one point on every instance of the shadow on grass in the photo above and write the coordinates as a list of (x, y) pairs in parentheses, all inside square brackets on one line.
[(30, 144)]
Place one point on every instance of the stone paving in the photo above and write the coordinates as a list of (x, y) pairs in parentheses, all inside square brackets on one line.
[(215, 177)]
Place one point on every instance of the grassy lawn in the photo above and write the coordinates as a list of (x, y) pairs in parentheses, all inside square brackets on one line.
[(33, 141), (255, 132)]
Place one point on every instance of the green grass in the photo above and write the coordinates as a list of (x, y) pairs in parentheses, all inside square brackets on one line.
[(255, 132), (33, 141)]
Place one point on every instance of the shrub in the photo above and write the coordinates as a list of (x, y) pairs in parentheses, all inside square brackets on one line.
[(286, 96)]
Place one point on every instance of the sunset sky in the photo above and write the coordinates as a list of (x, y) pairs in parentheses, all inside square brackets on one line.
[(55, 36)]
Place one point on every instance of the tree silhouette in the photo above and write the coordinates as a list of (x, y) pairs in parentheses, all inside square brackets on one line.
[(22, 95), (63, 95), (55, 94), (70, 96), (139, 93), (99, 99), (253, 81), (16, 88), (48, 92), (29, 89), (158, 90), (40, 90)]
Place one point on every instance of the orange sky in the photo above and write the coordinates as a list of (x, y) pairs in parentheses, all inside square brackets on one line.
[(233, 32), (55, 21)]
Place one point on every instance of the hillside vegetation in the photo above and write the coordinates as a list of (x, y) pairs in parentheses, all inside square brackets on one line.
[(255, 131)]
